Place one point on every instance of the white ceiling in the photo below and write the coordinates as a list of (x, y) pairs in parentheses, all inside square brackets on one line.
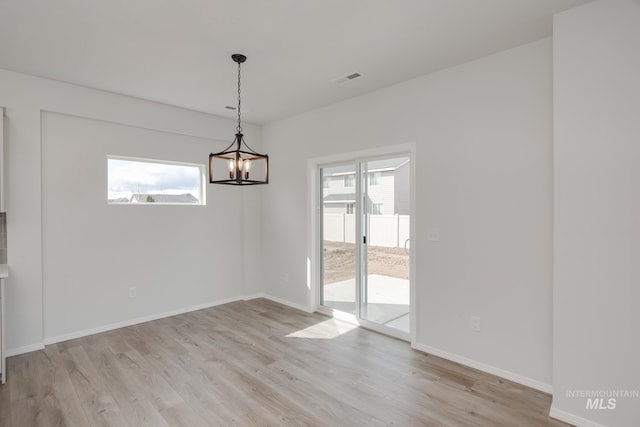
[(178, 51)]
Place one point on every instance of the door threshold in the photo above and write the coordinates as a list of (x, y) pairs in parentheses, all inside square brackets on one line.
[(372, 326)]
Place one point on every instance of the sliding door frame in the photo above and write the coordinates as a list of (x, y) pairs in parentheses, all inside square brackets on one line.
[(314, 230)]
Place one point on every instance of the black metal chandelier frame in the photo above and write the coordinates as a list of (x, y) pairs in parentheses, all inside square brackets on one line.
[(238, 161)]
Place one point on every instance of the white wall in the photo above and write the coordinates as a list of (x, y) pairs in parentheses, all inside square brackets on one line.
[(597, 209), (76, 278), (483, 136), (176, 256)]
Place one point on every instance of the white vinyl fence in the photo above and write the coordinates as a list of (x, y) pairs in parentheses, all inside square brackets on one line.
[(384, 230)]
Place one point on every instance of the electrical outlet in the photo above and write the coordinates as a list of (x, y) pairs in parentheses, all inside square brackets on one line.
[(433, 234), (285, 277), (474, 323), (133, 292)]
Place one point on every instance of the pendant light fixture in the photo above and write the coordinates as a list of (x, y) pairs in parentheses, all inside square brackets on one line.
[(242, 165)]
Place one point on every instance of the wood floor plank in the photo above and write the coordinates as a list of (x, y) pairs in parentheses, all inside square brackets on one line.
[(184, 415), (160, 392), (26, 392), (5, 405), (205, 393), (97, 401), (133, 400), (62, 405), (255, 363)]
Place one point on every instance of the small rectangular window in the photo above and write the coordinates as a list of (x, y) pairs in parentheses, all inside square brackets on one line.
[(349, 181), (374, 178), (350, 208), (141, 181), (376, 209)]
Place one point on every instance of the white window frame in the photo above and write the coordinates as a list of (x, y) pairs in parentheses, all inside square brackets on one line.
[(201, 168)]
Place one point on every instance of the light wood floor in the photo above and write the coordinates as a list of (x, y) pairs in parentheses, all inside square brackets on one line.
[(255, 363)]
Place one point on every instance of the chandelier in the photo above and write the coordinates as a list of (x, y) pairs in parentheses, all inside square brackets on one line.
[(242, 165)]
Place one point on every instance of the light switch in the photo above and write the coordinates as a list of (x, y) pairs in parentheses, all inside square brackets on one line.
[(474, 323), (433, 234)]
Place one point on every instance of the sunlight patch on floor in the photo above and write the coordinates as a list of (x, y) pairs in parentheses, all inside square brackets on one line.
[(325, 330)]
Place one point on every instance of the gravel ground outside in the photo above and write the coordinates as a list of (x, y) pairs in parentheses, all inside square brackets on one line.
[(339, 261)]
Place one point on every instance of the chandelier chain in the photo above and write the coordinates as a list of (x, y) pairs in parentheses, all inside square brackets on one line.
[(239, 127)]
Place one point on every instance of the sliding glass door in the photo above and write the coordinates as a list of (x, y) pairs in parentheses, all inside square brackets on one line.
[(365, 241), (385, 259), (338, 229)]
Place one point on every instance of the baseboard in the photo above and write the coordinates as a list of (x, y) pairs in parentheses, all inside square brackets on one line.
[(511, 376), (24, 349), (255, 296), (137, 320), (570, 418), (91, 331), (279, 300)]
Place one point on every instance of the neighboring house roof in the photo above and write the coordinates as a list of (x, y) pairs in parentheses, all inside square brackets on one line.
[(163, 198), (340, 198)]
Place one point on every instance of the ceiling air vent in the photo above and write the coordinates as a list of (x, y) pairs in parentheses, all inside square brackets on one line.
[(346, 78)]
